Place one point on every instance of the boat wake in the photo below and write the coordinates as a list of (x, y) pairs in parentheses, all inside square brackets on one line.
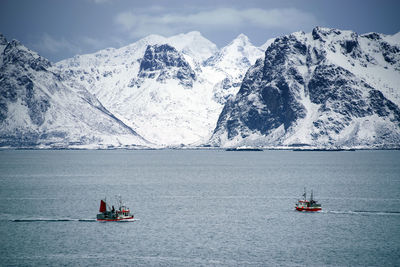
[(64, 220), (365, 212), (53, 220)]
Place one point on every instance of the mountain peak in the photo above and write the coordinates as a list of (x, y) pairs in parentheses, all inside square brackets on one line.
[(194, 44), (152, 37), (242, 36), (194, 33), (321, 32), (163, 59), (191, 34), (241, 40), (15, 43), (3, 40), (157, 57), (149, 40), (16, 52), (193, 38)]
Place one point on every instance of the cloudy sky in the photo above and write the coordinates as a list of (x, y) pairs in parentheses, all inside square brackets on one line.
[(61, 29)]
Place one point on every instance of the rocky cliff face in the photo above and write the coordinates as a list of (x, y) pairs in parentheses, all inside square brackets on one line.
[(327, 88), (38, 110), (162, 62)]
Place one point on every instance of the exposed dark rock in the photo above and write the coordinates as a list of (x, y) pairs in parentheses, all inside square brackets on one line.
[(16, 54), (261, 105), (390, 53), (165, 62), (384, 107), (373, 36), (350, 45)]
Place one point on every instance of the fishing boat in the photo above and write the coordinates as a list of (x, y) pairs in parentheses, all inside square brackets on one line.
[(243, 148), (308, 205), (110, 214)]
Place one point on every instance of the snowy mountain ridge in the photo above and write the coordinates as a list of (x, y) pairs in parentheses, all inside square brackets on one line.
[(327, 88), (171, 90)]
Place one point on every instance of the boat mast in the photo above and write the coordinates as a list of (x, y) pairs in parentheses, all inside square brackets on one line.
[(305, 194), (311, 196), (120, 201)]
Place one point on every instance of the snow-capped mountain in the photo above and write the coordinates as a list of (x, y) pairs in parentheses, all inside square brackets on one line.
[(170, 90), (230, 62), (38, 110), (236, 56), (326, 88)]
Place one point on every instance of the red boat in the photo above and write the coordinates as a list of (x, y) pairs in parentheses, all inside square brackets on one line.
[(308, 205), (108, 214)]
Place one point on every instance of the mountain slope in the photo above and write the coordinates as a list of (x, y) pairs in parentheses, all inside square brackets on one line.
[(165, 88), (326, 88), (38, 110)]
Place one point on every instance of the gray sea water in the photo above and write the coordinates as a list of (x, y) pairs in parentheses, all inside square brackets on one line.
[(200, 208)]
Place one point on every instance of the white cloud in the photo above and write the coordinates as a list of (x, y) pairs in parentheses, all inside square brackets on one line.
[(52, 45), (49, 45), (139, 24)]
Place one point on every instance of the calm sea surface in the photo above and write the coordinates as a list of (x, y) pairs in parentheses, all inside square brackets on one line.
[(200, 208)]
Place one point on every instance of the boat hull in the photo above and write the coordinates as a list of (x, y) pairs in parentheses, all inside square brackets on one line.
[(308, 209), (116, 220)]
